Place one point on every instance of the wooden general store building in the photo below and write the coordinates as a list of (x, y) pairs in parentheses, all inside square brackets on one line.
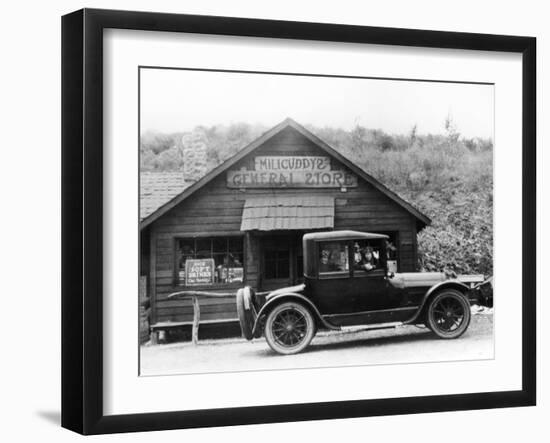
[(243, 222)]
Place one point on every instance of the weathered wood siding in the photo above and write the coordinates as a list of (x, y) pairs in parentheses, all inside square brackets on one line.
[(216, 210)]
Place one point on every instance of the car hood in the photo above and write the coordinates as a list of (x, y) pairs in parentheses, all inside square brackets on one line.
[(293, 289), (417, 279)]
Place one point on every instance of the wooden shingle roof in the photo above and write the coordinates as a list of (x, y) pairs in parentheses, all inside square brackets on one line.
[(157, 189)]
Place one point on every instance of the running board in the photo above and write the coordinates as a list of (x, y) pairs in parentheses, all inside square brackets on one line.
[(373, 326)]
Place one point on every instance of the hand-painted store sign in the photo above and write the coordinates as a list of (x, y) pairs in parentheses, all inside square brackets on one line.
[(291, 172), (296, 163), (199, 272)]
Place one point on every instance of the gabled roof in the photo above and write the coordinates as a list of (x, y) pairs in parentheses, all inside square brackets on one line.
[(287, 123)]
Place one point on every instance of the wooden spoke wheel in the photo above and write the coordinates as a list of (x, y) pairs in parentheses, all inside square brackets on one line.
[(449, 314), (289, 328)]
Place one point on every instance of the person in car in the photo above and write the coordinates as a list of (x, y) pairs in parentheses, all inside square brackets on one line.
[(369, 259), (364, 258), (357, 256), (324, 265)]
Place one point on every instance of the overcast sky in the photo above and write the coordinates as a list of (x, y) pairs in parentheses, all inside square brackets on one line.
[(178, 100)]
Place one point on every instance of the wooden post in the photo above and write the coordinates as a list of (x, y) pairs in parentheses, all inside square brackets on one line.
[(196, 320), (153, 276), (154, 338)]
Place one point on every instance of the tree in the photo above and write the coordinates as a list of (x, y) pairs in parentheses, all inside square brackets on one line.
[(169, 160), (156, 142), (386, 143), (358, 137), (450, 127), (413, 135)]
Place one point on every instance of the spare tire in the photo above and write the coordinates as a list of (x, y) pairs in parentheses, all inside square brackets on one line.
[(246, 312)]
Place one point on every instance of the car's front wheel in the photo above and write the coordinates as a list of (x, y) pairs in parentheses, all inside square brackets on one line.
[(289, 328), (448, 314)]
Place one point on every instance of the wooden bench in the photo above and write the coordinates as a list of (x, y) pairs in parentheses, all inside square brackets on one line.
[(194, 296)]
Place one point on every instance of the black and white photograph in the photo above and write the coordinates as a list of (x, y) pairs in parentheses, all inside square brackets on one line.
[(298, 221)]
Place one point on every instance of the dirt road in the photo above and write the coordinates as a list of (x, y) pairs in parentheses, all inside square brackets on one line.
[(405, 344)]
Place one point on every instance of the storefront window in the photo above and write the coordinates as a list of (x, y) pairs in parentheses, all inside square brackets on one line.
[(333, 257), (219, 259)]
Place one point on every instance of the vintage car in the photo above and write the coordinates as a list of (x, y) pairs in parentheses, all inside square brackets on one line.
[(347, 285)]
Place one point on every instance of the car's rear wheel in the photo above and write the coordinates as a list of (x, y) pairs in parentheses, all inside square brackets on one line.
[(449, 314), (289, 328)]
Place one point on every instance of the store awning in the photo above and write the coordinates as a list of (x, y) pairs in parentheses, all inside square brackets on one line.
[(283, 213)]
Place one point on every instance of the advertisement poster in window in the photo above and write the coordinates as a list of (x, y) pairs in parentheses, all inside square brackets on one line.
[(199, 272)]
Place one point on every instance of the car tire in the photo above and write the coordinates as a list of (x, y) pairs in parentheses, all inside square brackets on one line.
[(289, 328), (245, 311), (448, 314)]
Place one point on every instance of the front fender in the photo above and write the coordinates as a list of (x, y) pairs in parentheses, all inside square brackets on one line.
[(288, 296), (452, 284)]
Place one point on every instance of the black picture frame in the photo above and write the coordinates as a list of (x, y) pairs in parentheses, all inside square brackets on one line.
[(82, 215)]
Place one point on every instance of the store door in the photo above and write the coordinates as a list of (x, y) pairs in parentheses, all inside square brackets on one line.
[(282, 260)]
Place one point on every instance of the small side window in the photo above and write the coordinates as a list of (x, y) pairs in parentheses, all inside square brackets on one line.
[(333, 258)]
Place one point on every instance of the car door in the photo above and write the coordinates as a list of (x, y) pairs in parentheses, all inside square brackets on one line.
[(371, 290), (370, 285), (332, 291)]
